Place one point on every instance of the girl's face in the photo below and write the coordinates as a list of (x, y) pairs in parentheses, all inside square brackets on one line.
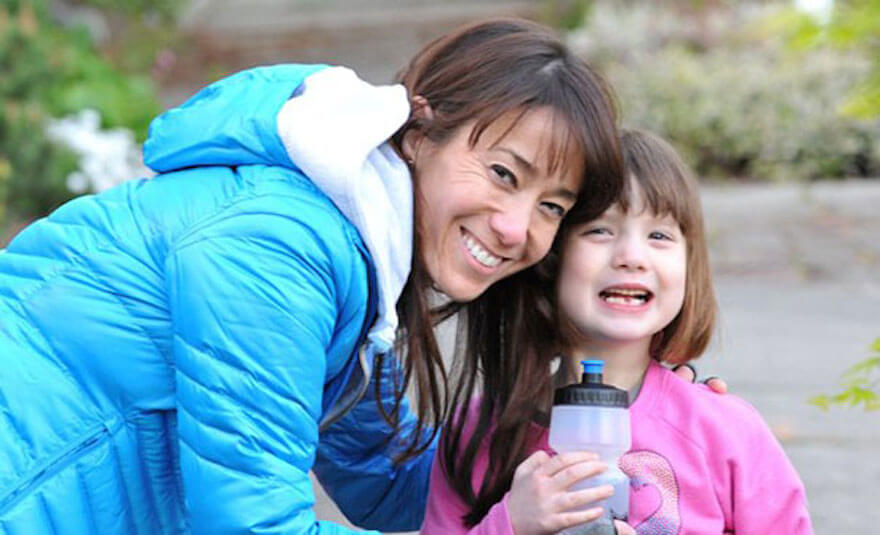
[(488, 211), (622, 277)]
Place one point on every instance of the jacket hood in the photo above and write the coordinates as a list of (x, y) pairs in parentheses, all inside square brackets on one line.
[(336, 129), (324, 122)]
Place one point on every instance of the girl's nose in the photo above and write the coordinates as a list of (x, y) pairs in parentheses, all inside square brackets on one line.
[(630, 254)]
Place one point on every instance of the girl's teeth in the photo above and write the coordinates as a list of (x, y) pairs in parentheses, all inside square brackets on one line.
[(620, 300)]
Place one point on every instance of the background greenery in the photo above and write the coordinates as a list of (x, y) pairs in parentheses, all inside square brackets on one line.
[(747, 90), (860, 383), (53, 66)]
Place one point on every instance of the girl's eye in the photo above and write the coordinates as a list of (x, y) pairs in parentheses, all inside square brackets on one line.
[(504, 174), (657, 235)]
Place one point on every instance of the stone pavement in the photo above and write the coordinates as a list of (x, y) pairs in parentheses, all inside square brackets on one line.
[(797, 271), (797, 267)]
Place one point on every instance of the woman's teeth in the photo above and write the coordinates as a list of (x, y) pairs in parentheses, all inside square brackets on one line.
[(483, 256)]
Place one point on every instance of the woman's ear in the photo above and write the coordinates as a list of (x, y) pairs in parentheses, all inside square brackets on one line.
[(413, 137), (409, 145)]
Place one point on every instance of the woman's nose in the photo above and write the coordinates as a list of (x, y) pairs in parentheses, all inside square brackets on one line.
[(511, 224)]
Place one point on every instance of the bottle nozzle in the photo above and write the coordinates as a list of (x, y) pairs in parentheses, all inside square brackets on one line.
[(592, 371)]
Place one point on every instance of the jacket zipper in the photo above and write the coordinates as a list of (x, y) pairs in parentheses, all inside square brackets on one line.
[(92, 438)]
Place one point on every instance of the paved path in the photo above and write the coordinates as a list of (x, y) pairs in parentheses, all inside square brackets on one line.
[(798, 275)]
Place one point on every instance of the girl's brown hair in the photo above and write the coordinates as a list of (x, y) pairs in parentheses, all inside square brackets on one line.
[(667, 187), (480, 73)]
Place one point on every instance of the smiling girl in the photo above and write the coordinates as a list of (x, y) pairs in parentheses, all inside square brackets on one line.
[(632, 288)]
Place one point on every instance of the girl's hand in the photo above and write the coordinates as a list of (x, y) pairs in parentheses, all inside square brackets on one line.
[(539, 500), (689, 374)]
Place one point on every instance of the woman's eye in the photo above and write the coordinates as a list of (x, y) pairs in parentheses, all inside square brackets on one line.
[(597, 231), (554, 209), (504, 174)]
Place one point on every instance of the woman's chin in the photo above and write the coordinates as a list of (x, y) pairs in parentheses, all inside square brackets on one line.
[(460, 291)]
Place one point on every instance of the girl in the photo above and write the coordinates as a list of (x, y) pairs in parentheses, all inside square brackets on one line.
[(633, 288)]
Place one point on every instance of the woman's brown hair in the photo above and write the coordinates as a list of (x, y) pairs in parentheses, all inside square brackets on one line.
[(667, 187), (480, 73)]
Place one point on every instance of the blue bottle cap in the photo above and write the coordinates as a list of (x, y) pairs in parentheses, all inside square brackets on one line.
[(593, 366)]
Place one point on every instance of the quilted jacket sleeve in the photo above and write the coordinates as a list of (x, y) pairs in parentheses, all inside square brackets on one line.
[(355, 463), (255, 300)]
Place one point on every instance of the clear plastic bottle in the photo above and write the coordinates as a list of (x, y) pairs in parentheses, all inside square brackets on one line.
[(592, 416)]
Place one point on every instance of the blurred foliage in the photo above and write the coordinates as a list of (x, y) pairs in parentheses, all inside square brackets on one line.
[(564, 14), (730, 94), (853, 25), (164, 10), (861, 385), (52, 69)]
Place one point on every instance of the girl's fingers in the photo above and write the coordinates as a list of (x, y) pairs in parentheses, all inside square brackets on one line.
[(573, 518), (717, 384), (571, 474), (564, 460), (578, 499), (623, 528), (532, 463), (686, 372)]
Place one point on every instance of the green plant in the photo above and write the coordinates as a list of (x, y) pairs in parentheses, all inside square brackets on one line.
[(853, 25), (565, 14), (731, 96), (52, 71), (861, 384)]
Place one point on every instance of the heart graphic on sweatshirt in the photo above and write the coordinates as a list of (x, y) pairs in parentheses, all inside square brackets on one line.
[(654, 493), (644, 501)]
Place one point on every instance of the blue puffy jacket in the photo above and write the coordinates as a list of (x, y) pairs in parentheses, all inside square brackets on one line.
[(170, 347)]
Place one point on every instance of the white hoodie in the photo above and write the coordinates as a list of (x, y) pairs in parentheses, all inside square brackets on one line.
[(336, 128)]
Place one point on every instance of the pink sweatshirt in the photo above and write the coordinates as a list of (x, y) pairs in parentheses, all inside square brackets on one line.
[(700, 463)]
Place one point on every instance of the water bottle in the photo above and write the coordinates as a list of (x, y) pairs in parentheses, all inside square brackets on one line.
[(592, 416)]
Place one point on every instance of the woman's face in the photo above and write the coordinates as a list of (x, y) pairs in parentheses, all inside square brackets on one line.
[(488, 211)]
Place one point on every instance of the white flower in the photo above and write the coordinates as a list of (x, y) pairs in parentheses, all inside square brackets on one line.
[(106, 157)]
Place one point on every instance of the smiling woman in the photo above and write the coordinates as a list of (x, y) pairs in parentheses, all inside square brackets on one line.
[(257, 310), (495, 204)]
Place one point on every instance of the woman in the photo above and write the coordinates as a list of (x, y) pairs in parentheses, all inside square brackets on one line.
[(178, 353)]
